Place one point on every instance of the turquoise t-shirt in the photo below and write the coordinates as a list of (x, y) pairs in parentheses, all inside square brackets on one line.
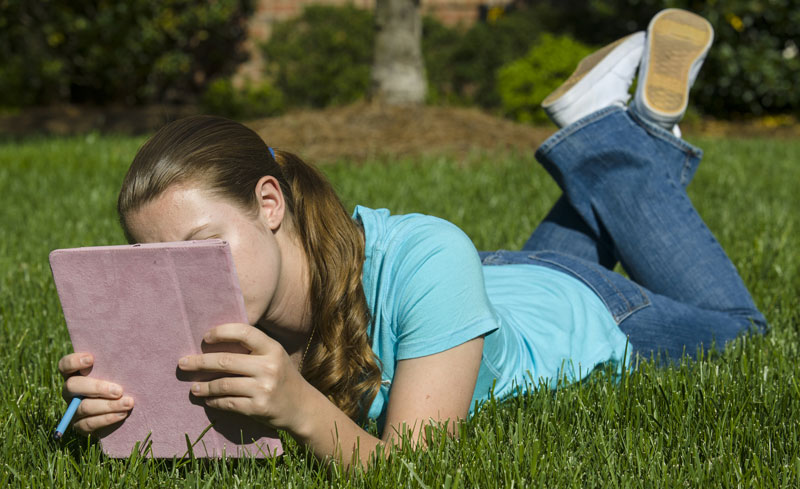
[(428, 292)]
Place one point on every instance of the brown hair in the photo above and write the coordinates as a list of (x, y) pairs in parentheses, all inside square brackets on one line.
[(228, 159)]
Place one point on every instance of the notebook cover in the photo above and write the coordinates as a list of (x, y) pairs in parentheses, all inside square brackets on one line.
[(138, 309)]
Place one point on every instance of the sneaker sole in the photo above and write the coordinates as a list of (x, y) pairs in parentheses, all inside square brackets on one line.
[(586, 65), (677, 39)]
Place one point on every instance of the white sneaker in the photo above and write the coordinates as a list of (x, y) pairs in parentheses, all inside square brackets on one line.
[(600, 80), (677, 44)]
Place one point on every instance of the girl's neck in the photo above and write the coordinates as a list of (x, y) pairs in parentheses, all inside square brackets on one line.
[(288, 317)]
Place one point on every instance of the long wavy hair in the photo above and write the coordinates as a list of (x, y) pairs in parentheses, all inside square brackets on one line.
[(227, 159)]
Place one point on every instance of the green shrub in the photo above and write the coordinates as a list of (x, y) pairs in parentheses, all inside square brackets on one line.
[(134, 51), (322, 57), (524, 83), (754, 64), (254, 99), (439, 44), (487, 46)]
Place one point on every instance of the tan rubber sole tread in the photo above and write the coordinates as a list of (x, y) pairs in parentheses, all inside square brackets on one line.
[(677, 39), (584, 67)]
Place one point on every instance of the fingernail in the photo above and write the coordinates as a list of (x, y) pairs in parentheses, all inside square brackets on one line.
[(115, 390), (122, 415), (127, 402), (86, 361), (183, 362), (195, 387)]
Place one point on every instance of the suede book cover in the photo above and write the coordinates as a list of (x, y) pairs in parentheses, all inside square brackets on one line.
[(138, 309)]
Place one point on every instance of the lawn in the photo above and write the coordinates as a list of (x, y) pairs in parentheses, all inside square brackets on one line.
[(729, 419)]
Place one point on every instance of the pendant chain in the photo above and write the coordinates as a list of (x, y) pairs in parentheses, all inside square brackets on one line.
[(308, 345)]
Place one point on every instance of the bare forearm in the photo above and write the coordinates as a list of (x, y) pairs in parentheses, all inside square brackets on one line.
[(426, 392), (331, 434)]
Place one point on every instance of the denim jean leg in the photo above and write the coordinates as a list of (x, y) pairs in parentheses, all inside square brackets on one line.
[(564, 230), (628, 178)]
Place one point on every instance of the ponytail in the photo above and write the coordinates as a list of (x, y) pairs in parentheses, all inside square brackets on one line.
[(340, 363)]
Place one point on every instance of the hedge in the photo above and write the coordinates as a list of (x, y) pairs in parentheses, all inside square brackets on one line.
[(136, 51)]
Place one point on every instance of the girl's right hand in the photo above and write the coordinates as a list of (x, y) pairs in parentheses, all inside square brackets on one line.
[(103, 402)]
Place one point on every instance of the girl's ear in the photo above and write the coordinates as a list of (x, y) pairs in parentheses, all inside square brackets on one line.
[(272, 205)]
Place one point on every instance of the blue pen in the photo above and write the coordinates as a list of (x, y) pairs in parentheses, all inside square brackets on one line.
[(62, 426)]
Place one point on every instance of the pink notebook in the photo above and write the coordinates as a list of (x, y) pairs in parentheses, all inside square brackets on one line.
[(138, 309)]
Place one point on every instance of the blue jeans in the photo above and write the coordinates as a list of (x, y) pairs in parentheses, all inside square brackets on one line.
[(624, 199)]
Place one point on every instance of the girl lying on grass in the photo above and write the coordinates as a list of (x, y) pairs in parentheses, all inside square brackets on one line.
[(398, 318)]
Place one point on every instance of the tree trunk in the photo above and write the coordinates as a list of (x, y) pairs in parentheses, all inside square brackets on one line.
[(398, 71)]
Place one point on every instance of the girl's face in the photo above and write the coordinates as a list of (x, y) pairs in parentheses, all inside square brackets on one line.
[(190, 213)]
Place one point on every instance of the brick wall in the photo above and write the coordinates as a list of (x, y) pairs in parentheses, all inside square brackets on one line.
[(267, 12)]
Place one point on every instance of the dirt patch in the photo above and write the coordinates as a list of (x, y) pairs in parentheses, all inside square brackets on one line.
[(362, 131), (66, 120), (771, 127)]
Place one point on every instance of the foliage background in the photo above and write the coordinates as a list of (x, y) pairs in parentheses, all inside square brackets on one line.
[(523, 84), (183, 51), (100, 52)]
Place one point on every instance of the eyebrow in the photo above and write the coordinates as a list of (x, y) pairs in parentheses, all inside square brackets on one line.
[(194, 231)]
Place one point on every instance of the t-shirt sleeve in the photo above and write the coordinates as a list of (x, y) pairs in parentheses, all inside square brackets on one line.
[(441, 297)]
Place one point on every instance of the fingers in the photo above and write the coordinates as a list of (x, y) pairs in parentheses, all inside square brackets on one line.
[(75, 362), (226, 386), (228, 394), (97, 407), (93, 414), (248, 336), (78, 385), (88, 425), (232, 363), (242, 405)]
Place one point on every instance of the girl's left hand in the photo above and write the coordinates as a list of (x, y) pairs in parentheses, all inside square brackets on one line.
[(267, 385)]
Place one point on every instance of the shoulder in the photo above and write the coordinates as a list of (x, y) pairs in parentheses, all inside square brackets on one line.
[(411, 236), (425, 278)]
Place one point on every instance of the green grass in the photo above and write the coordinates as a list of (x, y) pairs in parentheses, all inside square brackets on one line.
[(727, 420)]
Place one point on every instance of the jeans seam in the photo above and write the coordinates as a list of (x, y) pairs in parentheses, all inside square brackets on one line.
[(617, 317), (684, 180)]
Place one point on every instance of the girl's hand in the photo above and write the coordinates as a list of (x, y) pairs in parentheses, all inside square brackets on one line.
[(266, 385), (103, 403)]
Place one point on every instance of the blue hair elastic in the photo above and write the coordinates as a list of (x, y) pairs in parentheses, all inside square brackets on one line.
[(271, 151)]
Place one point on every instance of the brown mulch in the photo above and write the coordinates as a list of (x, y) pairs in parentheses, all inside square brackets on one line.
[(361, 130), (65, 120), (773, 127)]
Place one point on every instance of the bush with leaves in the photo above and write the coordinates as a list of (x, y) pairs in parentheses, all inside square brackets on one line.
[(487, 46), (323, 57), (524, 83), (439, 43), (754, 64), (129, 52), (251, 100)]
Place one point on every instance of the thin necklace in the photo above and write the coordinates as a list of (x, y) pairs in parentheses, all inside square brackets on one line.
[(308, 345)]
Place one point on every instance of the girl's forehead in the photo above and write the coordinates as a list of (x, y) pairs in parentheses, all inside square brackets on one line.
[(178, 211)]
